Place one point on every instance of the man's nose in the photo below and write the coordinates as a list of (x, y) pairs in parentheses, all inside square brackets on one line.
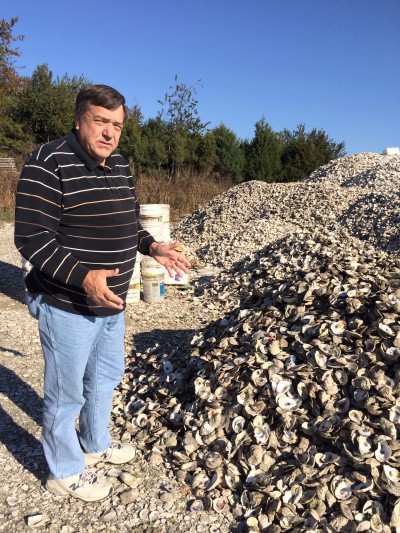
[(108, 130)]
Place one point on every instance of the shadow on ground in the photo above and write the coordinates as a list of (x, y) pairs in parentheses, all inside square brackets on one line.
[(163, 339), (11, 282), (25, 448), (145, 364), (10, 350)]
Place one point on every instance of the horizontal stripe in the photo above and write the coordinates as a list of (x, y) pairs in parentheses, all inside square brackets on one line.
[(113, 251), (71, 165), (110, 200), (83, 177), (98, 226), (58, 153), (19, 193), (107, 213), (42, 170), (104, 263), (32, 235), (86, 191), (38, 211), (37, 224), (117, 285), (43, 185), (102, 238)]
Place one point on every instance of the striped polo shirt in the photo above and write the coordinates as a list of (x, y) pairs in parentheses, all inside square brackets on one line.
[(74, 215)]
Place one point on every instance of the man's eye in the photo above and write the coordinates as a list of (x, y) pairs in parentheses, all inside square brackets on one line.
[(104, 122)]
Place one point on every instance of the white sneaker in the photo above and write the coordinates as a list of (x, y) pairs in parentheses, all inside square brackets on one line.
[(86, 486), (118, 453)]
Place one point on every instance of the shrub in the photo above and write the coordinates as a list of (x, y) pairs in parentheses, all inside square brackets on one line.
[(8, 187)]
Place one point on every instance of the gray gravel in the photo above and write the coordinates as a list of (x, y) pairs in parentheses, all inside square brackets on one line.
[(160, 502)]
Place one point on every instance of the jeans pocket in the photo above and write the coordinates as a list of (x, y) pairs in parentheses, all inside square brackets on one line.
[(33, 302)]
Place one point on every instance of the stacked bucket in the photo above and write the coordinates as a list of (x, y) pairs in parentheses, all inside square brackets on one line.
[(155, 218), (134, 284)]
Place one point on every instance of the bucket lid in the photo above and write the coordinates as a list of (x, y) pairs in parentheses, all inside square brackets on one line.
[(148, 209), (153, 277), (149, 261)]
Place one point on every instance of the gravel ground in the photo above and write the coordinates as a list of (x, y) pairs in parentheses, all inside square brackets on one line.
[(157, 501)]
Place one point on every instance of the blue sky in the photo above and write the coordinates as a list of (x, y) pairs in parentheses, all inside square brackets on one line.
[(329, 64)]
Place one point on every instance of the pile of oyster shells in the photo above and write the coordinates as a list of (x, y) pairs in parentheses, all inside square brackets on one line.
[(360, 193), (286, 409)]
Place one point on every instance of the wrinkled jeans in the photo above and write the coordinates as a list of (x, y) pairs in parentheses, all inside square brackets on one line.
[(84, 362)]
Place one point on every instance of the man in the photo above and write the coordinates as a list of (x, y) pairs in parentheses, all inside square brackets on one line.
[(77, 223)]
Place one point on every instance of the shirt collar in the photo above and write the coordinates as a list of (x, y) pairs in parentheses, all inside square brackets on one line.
[(90, 163)]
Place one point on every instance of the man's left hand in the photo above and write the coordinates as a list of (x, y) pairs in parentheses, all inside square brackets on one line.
[(168, 256)]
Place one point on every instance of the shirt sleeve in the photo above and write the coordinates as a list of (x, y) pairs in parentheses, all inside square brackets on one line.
[(37, 215)]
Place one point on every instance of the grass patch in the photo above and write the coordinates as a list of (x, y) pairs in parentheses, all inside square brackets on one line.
[(8, 188), (185, 192)]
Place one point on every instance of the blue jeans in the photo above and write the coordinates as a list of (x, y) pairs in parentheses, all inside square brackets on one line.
[(84, 362)]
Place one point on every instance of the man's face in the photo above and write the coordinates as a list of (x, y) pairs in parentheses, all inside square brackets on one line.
[(99, 130)]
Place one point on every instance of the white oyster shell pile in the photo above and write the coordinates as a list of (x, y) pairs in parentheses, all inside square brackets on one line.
[(360, 193)]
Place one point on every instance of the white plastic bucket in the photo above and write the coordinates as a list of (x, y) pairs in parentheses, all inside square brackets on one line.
[(150, 267), (165, 209), (153, 288), (154, 226), (151, 219), (153, 210), (391, 151), (152, 280), (133, 294)]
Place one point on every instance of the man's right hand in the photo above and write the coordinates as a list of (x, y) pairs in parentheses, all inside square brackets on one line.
[(95, 286)]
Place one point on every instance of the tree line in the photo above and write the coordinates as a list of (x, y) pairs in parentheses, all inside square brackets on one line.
[(39, 108)]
